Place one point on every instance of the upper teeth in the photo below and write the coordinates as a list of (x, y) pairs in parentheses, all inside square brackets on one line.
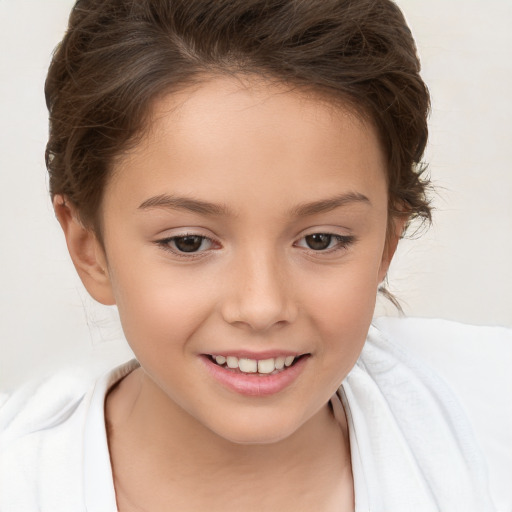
[(255, 366)]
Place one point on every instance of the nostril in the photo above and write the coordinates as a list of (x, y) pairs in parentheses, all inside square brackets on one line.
[(259, 307)]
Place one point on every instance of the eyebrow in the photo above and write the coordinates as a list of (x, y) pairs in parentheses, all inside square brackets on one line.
[(327, 205), (167, 201), (185, 203)]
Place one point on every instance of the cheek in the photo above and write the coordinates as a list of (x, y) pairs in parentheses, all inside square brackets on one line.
[(345, 296), (158, 305), (341, 308), (343, 325)]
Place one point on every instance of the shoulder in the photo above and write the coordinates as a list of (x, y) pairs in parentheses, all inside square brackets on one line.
[(44, 403), (40, 430), (436, 339), (41, 441), (474, 362)]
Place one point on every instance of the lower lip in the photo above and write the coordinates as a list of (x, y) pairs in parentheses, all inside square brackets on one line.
[(252, 384)]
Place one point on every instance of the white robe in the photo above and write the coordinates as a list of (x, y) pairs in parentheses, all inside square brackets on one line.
[(413, 448)]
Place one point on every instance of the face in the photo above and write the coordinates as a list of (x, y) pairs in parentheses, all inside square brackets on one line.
[(247, 228)]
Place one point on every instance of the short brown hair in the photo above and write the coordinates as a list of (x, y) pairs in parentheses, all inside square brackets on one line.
[(118, 56)]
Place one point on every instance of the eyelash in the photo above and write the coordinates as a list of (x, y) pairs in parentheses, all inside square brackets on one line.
[(343, 243), (165, 245)]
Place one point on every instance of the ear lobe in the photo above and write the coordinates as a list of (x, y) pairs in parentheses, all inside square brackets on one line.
[(395, 230), (86, 252)]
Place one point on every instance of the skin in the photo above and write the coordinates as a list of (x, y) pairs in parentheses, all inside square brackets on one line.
[(261, 151)]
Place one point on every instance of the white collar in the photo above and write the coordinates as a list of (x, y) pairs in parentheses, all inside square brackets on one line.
[(99, 492)]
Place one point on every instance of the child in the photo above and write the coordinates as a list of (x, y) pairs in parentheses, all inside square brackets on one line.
[(235, 177)]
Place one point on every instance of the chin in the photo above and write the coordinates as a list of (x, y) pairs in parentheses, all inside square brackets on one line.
[(256, 438), (260, 438), (247, 432)]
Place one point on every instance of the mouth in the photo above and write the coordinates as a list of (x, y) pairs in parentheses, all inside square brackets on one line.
[(262, 367), (255, 377)]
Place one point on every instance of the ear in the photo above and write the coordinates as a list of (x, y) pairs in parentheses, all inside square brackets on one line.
[(86, 252), (396, 227)]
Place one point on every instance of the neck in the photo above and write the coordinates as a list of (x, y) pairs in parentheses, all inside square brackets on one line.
[(170, 444)]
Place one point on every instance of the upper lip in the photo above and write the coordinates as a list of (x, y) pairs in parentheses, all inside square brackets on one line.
[(258, 356)]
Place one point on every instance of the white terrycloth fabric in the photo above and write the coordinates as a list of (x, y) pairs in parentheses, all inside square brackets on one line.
[(412, 446), (53, 446), (476, 363)]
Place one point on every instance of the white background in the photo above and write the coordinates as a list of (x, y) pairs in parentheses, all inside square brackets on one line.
[(459, 270)]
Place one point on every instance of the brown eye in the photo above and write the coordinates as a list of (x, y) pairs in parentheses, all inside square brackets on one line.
[(318, 241), (187, 245), (190, 243)]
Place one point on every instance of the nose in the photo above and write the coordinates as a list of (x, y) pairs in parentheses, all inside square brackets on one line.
[(258, 294)]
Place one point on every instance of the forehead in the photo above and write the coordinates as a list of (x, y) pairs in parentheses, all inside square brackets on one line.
[(228, 134)]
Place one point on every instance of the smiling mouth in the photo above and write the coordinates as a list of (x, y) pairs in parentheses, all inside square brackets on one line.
[(270, 366)]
